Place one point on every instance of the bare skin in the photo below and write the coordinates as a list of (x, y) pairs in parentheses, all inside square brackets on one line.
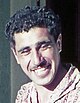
[(39, 57)]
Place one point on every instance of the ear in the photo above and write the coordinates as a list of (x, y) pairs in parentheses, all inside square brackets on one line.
[(59, 42), (15, 55)]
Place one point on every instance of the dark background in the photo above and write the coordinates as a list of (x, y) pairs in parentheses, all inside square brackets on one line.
[(68, 11)]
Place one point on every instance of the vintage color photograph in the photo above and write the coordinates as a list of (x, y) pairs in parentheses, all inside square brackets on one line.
[(40, 51)]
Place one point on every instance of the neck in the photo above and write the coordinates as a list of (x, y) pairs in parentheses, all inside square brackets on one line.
[(46, 90)]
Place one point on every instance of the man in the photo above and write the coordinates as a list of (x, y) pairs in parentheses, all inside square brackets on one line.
[(36, 41)]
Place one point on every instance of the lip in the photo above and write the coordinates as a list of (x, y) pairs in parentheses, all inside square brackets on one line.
[(47, 66), (42, 71)]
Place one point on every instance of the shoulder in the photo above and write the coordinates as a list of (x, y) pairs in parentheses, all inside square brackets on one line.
[(74, 94), (23, 93)]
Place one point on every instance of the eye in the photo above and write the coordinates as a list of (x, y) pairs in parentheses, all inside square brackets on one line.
[(45, 46), (26, 51)]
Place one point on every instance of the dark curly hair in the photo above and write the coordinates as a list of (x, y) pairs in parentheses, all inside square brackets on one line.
[(29, 17)]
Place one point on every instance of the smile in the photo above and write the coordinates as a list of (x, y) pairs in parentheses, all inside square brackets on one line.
[(42, 71)]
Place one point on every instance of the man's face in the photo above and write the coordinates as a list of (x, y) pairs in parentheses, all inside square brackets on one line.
[(38, 55)]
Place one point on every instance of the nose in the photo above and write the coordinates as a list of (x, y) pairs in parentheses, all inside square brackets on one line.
[(36, 57)]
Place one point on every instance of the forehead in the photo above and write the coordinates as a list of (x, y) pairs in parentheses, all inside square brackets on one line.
[(32, 37)]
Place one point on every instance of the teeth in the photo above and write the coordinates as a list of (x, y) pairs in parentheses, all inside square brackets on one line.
[(39, 70), (39, 67)]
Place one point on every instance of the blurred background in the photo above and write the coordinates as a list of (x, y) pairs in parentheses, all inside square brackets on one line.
[(11, 75)]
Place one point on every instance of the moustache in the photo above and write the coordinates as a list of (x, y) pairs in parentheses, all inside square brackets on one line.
[(42, 64)]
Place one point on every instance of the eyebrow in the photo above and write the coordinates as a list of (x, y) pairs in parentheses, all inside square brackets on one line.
[(43, 42), (22, 49), (38, 44)]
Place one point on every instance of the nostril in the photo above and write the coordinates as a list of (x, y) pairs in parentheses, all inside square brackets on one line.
[(42, 63)]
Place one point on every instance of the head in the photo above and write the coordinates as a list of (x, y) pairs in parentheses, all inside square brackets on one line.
[(35, 39)]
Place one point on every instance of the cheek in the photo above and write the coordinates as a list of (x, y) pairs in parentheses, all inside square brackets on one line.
[(50, 53), (24, 63)]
